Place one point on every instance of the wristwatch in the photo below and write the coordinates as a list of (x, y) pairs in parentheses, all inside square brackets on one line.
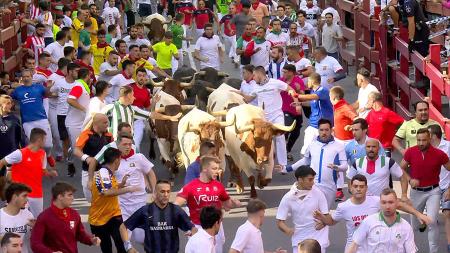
[(127, 245)]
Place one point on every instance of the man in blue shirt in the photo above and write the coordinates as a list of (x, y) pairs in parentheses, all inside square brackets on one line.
[(321, 108), (193, 170), (30, 97), (160, 221)]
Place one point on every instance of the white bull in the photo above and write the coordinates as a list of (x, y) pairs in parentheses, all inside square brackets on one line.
[(223, 98)]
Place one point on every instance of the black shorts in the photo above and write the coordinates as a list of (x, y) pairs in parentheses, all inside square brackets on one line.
[(145, 10), (63, 134)]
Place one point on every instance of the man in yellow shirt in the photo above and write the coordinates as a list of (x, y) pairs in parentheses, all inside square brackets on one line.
[(134, 55), (100, 51), (165, 50), (105, 216), (77, 27)]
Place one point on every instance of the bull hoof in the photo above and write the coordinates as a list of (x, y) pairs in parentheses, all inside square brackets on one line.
[(261, 181), (266, 181), (253, 194)]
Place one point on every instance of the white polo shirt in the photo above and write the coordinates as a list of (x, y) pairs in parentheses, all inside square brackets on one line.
[(137, 166), (301, 211), (363, 98), (378, 180), (201, 242), (269, 97), (248, 239), (327, 68), (354, 214), (209, 48), (56, 51), (380, 237)]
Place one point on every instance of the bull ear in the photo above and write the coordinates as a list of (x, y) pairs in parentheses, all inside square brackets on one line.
[(282, 128)]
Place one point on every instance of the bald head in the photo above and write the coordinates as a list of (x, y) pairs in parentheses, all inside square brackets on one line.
[(372, 148), (100, 123)]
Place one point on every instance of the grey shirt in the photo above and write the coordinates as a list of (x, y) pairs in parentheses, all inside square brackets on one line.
[(240, 20)]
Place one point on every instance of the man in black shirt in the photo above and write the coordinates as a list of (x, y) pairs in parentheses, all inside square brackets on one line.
[(161, 221)]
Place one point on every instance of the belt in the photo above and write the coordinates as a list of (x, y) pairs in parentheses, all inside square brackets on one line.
[(426, 189)]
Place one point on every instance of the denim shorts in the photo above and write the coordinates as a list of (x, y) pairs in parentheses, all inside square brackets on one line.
[(444, 204)]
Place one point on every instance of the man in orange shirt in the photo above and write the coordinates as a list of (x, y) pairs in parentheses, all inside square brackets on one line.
[(28, 167), (344, 114)]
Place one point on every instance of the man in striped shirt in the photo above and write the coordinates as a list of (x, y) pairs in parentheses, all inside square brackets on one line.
[(35, 44), (123, 111)]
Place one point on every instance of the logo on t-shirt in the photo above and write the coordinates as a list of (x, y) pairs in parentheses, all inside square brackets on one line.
[(4, 128), (206, 198), (72, 224)]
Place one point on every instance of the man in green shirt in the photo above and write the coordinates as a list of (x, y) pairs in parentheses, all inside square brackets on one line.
[(408, 129), (177, 30), (222, 7), (85, 37), (165, 51)]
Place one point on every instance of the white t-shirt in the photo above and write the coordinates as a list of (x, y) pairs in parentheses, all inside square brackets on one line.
[(106, 67), (354, 214), (75, 117), (137, 41), (47, 20), (379, 179), (53, 102), (116, 82), (444, 176), (336, 17), (62, 88), (326, 69), (17, 224), (301, 212), (209, 48), (363, 98), (312, 14), (269, 97), (57, 52), (201, 242), (95, 106), (379, 237), (300, 65), (248, 239), (278, 39), (109, 15), (137, 166), (248, 88), (328, 41), (16, 157)]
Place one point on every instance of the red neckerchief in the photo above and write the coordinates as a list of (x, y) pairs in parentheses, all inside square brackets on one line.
[(339, 104), (122, 55), (370, 166), (63, 214), (246, 38), (255, 5), (125, 75), (129, 155), (82, 64), (45, 72), (60, 73), (102, 45)]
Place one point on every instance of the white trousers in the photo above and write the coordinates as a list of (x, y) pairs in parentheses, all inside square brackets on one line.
[(57, 144), (138, 234), (310, 134), (46, 105), (74, 132), (330, 193), (138, 132), (230, 42), (220, 238), (340, 180), (44, 125), (86, 188), (36, 206), (280, 141)]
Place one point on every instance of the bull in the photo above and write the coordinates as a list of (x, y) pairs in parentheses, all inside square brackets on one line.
[(198, 126), (249, 143), (155, 26)]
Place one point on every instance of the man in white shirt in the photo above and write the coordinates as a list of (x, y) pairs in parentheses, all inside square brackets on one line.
[(209, 50), (248, 236), (361, 105), (109, 68), (248, 84), (331, 35), (111, 15), (306, 28), (46, 19), (277, 36), (323, 155), (375, 168), (203, 241), (328, 68), (122, 79), (444, 177), (354, 210), (133, 39), (15, 217), (384, 231), (300, 203), (56, 50)]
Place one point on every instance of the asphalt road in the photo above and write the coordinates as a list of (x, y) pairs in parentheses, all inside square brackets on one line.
[(272, 195)]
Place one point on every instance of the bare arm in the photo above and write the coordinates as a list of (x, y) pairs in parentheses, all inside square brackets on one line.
[(404, 179), (308, 97), (152, 179), (3, 163), (112, 72), (285, 228), (179, 201), (447, 165), (397, 143), (120, 191), (411, 28), (411, 210), (74, 103), (352, 248), (324, 218)]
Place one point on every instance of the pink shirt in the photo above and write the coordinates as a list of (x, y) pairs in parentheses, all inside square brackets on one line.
[(296, 84)]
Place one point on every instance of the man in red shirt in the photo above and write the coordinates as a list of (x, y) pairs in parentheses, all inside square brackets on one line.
[(229, 33), (35, 44), (142, 100), (59, 227), (207, 191), (424, 162), (343, 119), (383, 123)]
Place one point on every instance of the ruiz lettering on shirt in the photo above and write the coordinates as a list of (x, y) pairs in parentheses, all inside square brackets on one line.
[(205, 198)]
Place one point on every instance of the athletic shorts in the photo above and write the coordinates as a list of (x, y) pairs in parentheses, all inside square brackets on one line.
[(63, 134), (445, 204)]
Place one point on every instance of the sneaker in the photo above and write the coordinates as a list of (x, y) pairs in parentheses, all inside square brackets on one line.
[(340, 195), (70, 170), (51, 161)]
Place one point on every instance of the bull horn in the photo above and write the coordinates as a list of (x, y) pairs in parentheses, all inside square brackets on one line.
[(222, 74), (187, 107), (176, 117), (186, 78), (156, 84), (185, 85), (161, 109), (250, 127), (219, 113), (284, 128), (194, 130), (210, 89), (201, 73), (227, 124)]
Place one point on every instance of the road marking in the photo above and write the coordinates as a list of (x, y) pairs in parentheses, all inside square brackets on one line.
[(191, 59)]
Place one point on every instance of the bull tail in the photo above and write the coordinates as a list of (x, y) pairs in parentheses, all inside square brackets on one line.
[(151, 152)]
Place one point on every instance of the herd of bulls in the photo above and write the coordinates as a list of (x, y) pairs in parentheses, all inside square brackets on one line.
[(210, 111)]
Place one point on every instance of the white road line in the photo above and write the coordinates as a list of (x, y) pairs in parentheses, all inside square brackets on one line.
[(191, 59)]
